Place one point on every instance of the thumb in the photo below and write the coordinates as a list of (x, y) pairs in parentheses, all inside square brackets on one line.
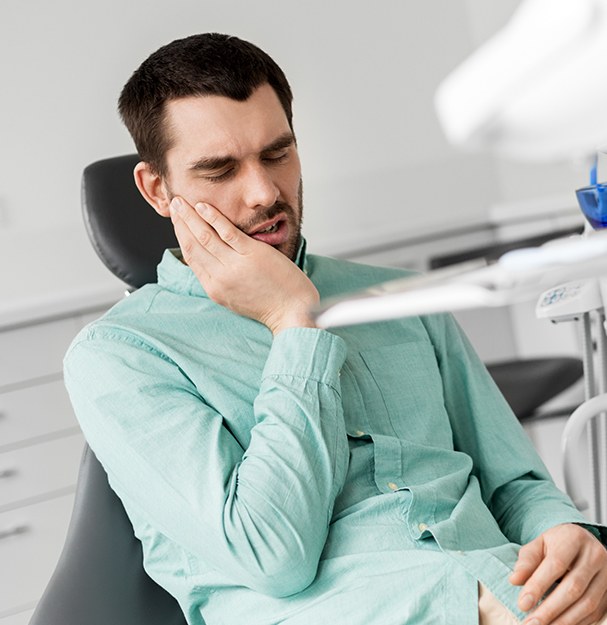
[(529, 558)]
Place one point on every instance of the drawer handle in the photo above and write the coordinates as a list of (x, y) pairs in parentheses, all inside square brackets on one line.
[(6, 473), (14, 531)]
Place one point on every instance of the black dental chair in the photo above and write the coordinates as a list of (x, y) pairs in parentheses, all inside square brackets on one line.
[(99, 579)]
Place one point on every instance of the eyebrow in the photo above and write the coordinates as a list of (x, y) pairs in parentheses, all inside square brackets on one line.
[(211, 163)]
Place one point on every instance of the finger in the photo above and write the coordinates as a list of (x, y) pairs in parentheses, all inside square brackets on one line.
[(202, 234), (529, 558), (570, 605), (193, 239), (565, 596), (228, 232), (550, 570)]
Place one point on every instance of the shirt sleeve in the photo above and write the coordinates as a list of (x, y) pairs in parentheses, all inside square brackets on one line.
[(261, 514), (515, 484)]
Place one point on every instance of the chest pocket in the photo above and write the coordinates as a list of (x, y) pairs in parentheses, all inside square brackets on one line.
[(404, 392)]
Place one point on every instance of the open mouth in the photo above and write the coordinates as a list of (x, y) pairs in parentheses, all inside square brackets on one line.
[(273, 232), (272, 228)]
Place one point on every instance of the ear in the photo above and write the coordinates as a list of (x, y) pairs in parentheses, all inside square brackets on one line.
[(152, 187)]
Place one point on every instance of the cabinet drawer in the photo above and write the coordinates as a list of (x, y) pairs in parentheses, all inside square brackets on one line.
[(31, 539), (39, 469), (35, 351), (34, 411)]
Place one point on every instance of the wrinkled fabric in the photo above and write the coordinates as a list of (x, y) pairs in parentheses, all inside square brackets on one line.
[(371, 474)]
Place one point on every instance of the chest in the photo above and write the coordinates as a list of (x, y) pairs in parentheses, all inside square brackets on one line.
[(390, 383)]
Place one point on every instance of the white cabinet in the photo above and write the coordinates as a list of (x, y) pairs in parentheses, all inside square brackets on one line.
[(40, 449), (21, 618), (32, 539), (35, 351)]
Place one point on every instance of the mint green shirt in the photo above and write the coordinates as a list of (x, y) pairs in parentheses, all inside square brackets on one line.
[(368, 475)]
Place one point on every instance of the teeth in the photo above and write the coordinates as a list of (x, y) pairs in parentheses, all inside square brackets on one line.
[(272, 228)]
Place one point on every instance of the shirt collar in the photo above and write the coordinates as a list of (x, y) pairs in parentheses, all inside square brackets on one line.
[(176, 276)]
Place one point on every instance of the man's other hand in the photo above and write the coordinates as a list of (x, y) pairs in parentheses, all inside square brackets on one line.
[(247, 276), (572, 560)]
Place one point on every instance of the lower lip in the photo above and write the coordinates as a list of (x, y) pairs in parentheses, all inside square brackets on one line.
[(274, 238)]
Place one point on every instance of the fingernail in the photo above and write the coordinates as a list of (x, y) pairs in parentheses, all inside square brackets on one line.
[(201, 208), (176, 205), (526, 603)]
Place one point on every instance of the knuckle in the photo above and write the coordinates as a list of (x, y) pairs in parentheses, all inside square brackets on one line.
[(187, 249), (598, 556), (575, 589), (230, 236), (524, 551), (204, 237), (590, 604), (528, 550), (558, 565)]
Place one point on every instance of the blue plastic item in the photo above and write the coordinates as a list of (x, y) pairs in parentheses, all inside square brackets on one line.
[(593, 202)]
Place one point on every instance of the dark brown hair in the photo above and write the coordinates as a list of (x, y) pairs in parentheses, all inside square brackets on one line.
[(205, 64)]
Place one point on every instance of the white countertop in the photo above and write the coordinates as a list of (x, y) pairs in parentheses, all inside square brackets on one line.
[(51, 273)]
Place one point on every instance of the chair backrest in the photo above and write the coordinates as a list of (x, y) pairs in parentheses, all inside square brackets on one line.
[(126, 232), (99, 579)]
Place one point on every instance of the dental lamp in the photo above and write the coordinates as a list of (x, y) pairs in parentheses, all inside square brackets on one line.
[(534, 91)]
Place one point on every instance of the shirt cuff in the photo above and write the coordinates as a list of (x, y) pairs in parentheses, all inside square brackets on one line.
[(308, 353)]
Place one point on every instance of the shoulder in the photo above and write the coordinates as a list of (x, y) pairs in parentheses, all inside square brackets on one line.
[(126, 321)]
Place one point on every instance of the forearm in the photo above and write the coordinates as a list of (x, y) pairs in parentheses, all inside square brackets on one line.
[(281, 497), (255, 508), (528, 506)]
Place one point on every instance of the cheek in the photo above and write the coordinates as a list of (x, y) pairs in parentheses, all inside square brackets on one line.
[(222, 197), (197, 191), (291, 183)]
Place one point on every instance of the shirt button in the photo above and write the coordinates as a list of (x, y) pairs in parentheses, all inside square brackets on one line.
[(392, 486), (422, 527), (359, 433)]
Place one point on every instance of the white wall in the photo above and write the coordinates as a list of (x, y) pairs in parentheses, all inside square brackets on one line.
[(375, 161), (376, 165)]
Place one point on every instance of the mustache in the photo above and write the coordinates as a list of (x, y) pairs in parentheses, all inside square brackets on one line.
[(266, 215)]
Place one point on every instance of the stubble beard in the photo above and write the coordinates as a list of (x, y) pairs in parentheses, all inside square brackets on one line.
[(290, 247)]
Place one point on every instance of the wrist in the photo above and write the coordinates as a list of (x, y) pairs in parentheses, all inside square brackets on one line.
[(295, 321)]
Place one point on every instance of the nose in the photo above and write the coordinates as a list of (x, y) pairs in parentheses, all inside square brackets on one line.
[(259, 188)]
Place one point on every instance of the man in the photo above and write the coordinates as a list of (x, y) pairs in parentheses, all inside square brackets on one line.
[(275, 472)]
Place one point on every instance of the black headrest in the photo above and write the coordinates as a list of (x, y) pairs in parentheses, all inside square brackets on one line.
[(126, 232)]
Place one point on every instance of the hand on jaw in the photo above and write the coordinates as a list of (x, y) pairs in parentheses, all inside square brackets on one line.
[(247, 276), (570, 555)]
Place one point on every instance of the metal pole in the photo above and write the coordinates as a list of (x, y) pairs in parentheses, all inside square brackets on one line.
[(600, 423), (590, 392)]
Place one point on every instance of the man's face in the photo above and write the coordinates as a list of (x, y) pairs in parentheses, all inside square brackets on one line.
[(241, 158)]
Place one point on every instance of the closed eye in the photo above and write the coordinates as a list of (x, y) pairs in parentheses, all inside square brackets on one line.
[(279, 150), (276, 157), (221, 176)]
